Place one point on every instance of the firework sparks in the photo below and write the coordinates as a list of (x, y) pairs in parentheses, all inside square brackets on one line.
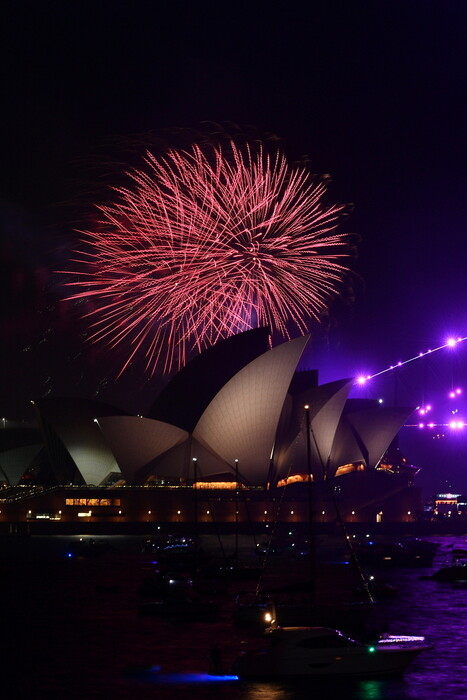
[(206, 243)]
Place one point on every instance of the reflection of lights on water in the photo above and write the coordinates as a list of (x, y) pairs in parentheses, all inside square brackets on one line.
[(282, 690), (371, 690)]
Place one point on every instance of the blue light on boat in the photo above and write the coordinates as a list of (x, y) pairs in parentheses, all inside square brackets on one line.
[(174, 678)]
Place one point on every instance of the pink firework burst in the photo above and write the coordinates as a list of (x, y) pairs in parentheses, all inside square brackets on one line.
[(206, 243)]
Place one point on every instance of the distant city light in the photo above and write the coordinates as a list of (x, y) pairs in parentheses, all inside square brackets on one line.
[(456, 424), (424, 409), (453, 424)]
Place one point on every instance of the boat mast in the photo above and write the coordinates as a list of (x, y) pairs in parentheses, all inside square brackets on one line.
[(236, 512), (356, 563), (310, 503), (195, 503)]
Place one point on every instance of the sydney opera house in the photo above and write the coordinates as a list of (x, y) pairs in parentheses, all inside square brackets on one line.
[(238, 435)]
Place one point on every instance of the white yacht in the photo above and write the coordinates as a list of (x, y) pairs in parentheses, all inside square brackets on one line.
[(322, 651)]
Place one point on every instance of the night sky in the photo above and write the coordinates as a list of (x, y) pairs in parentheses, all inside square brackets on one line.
[(371, 92)]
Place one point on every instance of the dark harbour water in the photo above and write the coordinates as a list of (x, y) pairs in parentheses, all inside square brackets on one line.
[(66, 634)]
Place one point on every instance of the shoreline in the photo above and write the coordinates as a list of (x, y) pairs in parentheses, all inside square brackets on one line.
[(45, 528)]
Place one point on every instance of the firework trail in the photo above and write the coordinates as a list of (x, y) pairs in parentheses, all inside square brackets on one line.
[(208, 242)]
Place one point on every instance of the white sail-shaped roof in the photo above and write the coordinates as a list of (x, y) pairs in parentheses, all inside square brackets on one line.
[(326, 403), (13, 463), (325, 421), (209, 464), (241, 421), (94, 461), (346, 448), (136, 442), (72, 420), (377, 428), (254, 414)]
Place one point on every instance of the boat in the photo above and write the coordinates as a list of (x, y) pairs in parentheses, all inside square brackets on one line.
[(88, 547), (322, 651), (231, 570), (408, 552), (162, 585), (457, 571)]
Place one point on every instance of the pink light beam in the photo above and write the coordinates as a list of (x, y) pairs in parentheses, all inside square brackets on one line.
[(450, 343)]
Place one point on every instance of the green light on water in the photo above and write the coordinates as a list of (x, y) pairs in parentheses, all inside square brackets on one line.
[(371, 649)]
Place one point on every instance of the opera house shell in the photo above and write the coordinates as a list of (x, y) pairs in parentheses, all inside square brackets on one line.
[(235, 412), (20, 446)]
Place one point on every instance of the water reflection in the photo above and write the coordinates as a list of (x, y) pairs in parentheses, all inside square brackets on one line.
[(382, 689), (268, 691), (55, 610)]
